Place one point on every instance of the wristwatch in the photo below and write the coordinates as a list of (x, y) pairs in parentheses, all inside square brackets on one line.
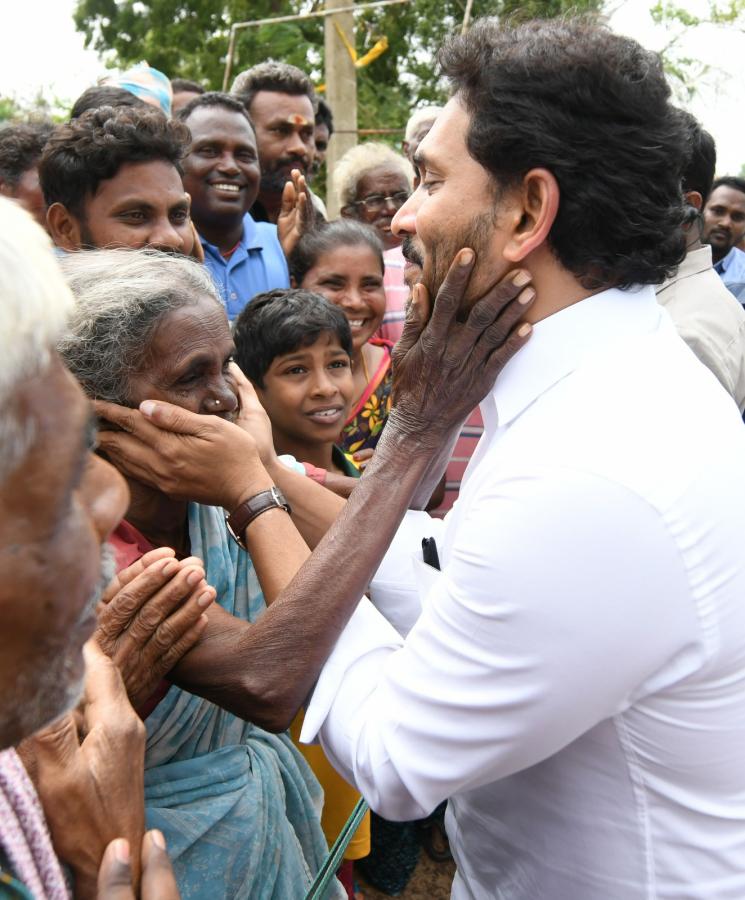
[(243, 515)]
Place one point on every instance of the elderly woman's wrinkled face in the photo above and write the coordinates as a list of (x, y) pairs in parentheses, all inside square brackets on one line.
[(187, 362)]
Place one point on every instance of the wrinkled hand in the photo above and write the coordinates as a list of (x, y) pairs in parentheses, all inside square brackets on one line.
[(252, 417), (443, 367), (151, 614), (115, 875), (197, 250), (91, 782), (182, 454), (296, 213)]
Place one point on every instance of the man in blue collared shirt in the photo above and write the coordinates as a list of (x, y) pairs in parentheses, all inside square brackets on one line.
[(724, 227), (221, 173)]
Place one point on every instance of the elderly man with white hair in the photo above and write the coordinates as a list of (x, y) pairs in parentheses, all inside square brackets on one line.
[(372, 182), (58, 504), (419, 124)]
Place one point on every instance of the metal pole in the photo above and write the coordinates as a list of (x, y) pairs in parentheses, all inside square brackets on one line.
[(229, 60), (467, 17)]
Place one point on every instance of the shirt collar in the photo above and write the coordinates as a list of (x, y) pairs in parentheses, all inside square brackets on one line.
[(561, 342), (250, 239), (726, 261)]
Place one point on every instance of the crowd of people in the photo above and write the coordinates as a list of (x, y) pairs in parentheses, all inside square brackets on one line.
[(237, 602)]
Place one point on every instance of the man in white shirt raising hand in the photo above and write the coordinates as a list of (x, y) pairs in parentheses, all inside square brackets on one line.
[(573, 679)]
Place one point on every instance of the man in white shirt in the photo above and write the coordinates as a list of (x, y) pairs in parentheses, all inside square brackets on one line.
[(573, 679)]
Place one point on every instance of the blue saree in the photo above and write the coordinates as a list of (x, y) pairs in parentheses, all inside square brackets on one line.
[(239, 807)]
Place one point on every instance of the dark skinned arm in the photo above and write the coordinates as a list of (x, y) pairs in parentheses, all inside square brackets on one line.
[(443, 368)]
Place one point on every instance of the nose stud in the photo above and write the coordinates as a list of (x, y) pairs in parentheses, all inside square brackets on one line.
[(217, 403)]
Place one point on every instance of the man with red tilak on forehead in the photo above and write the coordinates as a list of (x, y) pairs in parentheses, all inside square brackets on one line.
[(281, 102)]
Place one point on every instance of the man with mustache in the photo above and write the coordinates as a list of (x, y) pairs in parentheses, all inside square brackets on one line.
[(569, 665), (724, 228), (281, 102)]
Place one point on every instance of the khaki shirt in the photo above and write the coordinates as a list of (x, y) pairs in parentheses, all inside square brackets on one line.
[(709, 320)]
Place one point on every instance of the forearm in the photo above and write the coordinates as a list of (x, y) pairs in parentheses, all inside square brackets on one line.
[(293, 639)]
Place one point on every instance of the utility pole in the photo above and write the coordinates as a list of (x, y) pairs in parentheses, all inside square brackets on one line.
[(341, 90)]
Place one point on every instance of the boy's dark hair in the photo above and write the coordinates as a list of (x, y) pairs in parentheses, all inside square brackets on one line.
[(183, 84), (324, 116), (730, 181), (698, 173), (86, 151), (21, 145), (212, 99), (104, 95), (272, 75), (281, 321), (328, 236), (594, 109)]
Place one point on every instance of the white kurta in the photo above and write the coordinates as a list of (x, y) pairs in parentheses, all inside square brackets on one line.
[(575, 683)]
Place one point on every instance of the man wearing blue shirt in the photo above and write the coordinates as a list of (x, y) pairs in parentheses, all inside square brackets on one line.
[(724, 228), (221, 173)]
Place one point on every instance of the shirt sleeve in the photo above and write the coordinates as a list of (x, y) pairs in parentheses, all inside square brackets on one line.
[(563, 600)]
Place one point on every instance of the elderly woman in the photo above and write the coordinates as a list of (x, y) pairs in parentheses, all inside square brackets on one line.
[(372, 183), (239, 806)]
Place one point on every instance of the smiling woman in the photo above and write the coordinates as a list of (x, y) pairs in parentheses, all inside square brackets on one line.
[(149, 325)]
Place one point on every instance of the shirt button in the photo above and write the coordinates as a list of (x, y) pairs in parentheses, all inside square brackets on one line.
[(233, 296)]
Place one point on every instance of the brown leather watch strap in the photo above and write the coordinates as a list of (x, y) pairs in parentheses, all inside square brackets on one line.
[(243, 515)]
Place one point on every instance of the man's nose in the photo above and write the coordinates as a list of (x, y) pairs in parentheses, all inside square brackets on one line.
[(165, 236), (228, 165), (404, 222), (105, 495), (295, 146)]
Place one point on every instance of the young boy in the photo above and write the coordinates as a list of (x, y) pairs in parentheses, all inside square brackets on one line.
[(295, 347)]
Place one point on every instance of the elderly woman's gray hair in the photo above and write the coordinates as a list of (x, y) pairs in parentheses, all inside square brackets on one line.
[(364, 158), (121, 296)]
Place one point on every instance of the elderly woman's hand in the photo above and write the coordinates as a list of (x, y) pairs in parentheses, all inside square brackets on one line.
[(91, 780), (151, 614), (444, 367), (252, 417), (182, 454), (115, 874)]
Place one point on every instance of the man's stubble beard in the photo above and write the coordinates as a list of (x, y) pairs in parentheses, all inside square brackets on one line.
[(39, 697), (443, 251)]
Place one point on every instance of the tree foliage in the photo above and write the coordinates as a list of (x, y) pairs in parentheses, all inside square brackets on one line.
[(189, 38)]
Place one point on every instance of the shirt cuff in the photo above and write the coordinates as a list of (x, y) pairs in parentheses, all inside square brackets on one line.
[(366, 632)]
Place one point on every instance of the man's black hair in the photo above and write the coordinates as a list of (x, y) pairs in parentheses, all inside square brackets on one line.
[(213, 99), (183, 84), (21, 145), (698, 174), (326, 237), (104, 95), (594, 109), (324, 116), (281, 321), (730, 181), (272, 75), (86, 151)]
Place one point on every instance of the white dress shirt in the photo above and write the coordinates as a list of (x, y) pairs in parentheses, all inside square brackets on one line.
[(574, 680)]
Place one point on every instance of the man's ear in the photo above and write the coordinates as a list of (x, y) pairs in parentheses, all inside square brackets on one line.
[(6, 188), (63, 227), (293, 282), (536, 203), (694, 199)]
